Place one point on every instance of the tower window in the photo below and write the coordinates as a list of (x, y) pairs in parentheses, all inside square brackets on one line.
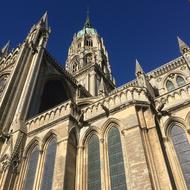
[(180, 81), (169, 86), (89, 42), (79, 44)]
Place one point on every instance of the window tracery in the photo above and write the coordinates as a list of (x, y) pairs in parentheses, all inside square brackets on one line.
[(116, 163), (94, 174), (31, 169), (180, 81), (170, 85), (48, 170), (182, 149)]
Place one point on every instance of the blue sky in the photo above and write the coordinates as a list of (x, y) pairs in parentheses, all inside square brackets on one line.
[(143, 29)]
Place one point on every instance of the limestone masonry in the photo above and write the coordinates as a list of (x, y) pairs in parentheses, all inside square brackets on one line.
[(71, 128)]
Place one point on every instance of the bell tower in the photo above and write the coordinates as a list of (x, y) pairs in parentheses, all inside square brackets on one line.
[(88, 61)]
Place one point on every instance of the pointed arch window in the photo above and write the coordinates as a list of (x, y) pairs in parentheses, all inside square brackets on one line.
[(170, 85), (88, 42), (47, 176), (94, 173), (180, 81), (116, 163), (31, 169), (182, 148)]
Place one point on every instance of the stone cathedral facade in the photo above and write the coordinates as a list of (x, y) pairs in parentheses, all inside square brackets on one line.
[(72, 129)]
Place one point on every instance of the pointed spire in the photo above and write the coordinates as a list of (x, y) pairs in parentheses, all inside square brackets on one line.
[(44, 20), (139, 69), (5, 49), (184, 48), (102, 89), (87, 23)]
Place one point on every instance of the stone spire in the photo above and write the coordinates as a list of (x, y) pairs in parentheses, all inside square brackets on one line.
[(44, 20), (184, 48), (5, 49), (138, 69), (87, 23)]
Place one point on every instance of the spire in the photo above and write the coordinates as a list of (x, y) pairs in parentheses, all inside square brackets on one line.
[(44, 20), (102, 89), (5, 49), (184, 48), (87, 23), (139, 69)]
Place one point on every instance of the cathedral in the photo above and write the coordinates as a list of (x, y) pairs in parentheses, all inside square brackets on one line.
[(70, 128)]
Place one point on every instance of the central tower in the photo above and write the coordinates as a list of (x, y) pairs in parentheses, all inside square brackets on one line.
[(88, 61)]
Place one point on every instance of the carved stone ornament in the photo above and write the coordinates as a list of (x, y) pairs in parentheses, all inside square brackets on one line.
[(171, 76), (4, 163)]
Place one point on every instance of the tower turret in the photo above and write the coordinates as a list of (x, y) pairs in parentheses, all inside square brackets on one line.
[(88, 60)]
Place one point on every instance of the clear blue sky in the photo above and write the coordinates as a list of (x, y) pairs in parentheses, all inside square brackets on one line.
[(143, 29)]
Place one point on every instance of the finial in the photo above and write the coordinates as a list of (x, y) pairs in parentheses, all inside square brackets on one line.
[(87, 23), (184, 48)]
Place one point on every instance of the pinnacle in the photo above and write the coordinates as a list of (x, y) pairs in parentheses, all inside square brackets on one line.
[(5, 49), (182, 45), (138, 67), (87, 23), (44, 20)]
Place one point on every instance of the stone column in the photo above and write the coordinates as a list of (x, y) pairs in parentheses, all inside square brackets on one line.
[(93, 83), (104, 169), (79, 169)]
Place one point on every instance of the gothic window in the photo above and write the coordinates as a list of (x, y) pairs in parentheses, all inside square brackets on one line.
[(88, 42), (31, 169), (180, 81), (116, 164), (169, 86), (79, 44), (94, 174), (75, 64), (182, 148), (47, 176), (88, 59)]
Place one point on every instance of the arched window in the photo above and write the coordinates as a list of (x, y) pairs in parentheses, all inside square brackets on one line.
[(88, 42), (182, 148), (169, 86), (47, 176), (116, 164), (31, 169), (180, 81), (94, 174), (88, 59), (75, 64)]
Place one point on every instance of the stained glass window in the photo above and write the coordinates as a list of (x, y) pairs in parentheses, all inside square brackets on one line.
[(94, 173), (169, 86), (182, 148), (31, 171), (48, 170), (116, 164), (180, 81)]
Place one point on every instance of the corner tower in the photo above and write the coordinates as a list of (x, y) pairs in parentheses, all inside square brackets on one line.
[(88, 61)]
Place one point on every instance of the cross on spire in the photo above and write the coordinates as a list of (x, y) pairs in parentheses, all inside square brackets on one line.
[(87, 23)]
